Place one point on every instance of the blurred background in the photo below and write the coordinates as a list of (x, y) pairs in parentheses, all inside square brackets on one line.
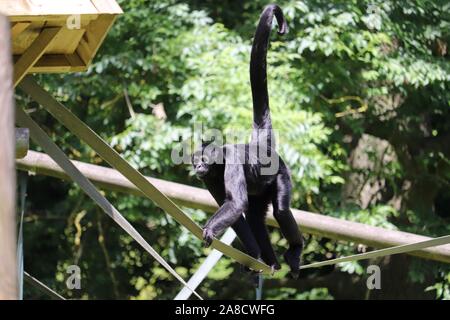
[(358, 92)]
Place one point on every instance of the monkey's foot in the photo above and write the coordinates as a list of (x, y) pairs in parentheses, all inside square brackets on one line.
[(245, 269), (273, 268), (208, 236), (292, 257)]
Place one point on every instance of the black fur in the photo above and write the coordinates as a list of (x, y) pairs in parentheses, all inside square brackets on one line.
[(242, 188)]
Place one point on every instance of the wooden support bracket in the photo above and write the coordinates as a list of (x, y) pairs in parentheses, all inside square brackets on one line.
[(18, 27), (34, 52)]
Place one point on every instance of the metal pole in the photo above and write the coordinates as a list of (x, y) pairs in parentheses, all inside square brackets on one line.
[(259, 287), (205, 267)]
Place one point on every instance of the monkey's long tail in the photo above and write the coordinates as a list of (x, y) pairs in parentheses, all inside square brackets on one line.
[(258, 65)]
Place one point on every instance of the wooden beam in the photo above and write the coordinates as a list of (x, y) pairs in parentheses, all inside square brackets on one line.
[(107, 6), (95, 33), (27, 8), (22, 142), (52, 20), (33, 53), (18, 27), (57, 63), (8, 234), (193, 197), (47, 7)]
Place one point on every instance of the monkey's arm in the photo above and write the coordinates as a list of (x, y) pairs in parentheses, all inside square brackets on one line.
[(241, 227), (234, 205)]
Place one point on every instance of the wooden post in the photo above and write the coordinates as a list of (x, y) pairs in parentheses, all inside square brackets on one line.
[(8, 234)]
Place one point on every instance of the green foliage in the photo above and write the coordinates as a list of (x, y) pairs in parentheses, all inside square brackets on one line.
[(344, 72), (293, 294), (442, 288)]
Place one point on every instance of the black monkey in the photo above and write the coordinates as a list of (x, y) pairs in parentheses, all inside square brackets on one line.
[(234, 174)]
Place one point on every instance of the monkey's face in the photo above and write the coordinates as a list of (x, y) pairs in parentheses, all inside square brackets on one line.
[(201, 163)]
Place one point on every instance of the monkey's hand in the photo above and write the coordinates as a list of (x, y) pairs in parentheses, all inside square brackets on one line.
[(275, 267), (208, 236), (293, 259)]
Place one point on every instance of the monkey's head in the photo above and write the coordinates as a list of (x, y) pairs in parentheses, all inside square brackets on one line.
[(204, 159)]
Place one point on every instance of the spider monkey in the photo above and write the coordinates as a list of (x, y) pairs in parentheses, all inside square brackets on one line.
[(242, 189)]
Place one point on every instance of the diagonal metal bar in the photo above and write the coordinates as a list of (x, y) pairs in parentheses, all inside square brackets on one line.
[(86, 134), (42, 287), (41, 138), (383, 252), (20, 258)]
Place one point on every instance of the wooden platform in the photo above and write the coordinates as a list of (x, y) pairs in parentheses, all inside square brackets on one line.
[(57, 35)]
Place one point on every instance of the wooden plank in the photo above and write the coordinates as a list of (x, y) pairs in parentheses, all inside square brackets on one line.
[(192, 197), (66, 41), (18, 27), (57, 63), (46, 7), (94, 36), (52, 20), (21, 43), (107, 6), (75, 60), (84, 52), (34, 52), (83, 42), (8, 233)]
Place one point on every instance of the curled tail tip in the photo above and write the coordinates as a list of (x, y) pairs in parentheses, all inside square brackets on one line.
[(281, 21), (283, 28)]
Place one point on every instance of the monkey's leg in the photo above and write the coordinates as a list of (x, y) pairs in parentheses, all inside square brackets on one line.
[(255, 215), (245, 235), (288, 226)]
